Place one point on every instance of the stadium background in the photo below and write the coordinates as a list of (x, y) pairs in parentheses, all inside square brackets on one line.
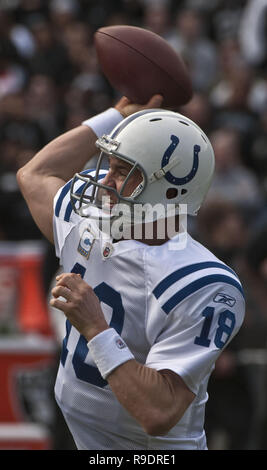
[(49, 83)]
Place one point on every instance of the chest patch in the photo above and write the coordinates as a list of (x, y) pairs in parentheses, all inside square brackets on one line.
[(86, 242)]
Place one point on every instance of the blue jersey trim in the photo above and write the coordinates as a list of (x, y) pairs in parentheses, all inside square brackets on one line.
[(69, 206), (63, 193), (78, 191), (64, 351), (182, 272), (195, 286)]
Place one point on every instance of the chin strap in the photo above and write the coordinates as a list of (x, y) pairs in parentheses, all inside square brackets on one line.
[(162, 172)]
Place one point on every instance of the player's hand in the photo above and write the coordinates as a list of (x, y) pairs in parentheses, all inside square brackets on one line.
[(81, 305), (126, 107)]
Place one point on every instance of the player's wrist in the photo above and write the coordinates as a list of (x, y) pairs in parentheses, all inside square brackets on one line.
[(109, 351), (104, 122), (90, 333)]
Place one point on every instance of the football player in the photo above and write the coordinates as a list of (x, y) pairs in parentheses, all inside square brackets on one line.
[(146, 317)]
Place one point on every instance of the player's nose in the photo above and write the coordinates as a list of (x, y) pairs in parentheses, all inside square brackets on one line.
[(109, 180)]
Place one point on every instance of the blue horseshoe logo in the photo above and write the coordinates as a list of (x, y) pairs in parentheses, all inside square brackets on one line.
[(166, 157)]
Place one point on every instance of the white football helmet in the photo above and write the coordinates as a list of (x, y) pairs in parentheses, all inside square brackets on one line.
[(174, 155)]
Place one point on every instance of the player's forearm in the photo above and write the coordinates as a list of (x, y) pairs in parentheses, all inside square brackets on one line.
[(65, 155), (149, 396)]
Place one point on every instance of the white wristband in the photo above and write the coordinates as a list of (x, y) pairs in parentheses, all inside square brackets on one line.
[(109, 351), (105, 122)]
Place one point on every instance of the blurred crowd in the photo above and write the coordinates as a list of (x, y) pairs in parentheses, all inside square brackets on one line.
[(50, 81)]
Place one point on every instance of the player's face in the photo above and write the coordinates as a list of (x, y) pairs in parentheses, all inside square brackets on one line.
[(115, 178)]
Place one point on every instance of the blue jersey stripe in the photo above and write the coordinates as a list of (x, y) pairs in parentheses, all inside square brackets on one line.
[(195, 286), (64, 351), (182, 272), (63, 193), (78, 191), (69, 206)]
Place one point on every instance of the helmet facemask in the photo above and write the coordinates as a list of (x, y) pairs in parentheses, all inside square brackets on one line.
[(94, 193)]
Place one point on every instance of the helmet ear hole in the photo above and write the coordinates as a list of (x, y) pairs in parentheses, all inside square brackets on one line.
[(171, 193)]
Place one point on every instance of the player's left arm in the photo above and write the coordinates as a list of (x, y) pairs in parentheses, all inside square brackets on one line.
[(156, 399)]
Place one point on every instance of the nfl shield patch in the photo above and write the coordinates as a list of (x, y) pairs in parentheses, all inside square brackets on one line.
[(108, 250)]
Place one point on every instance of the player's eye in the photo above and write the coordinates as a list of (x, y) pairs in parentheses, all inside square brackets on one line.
[(123, 172)]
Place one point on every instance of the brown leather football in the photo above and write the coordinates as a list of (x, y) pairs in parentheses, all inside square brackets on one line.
[(138, 63)]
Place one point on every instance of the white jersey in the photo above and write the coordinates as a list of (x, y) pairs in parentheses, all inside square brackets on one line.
[(175, 310)]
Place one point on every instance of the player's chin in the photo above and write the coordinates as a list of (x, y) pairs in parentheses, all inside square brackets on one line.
[(108, 202), (107, 207)]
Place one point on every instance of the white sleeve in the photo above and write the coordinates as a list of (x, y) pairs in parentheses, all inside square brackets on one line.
[(64, 217), (195, 329)]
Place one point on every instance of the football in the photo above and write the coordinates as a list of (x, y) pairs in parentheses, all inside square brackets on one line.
[(138, 64)]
